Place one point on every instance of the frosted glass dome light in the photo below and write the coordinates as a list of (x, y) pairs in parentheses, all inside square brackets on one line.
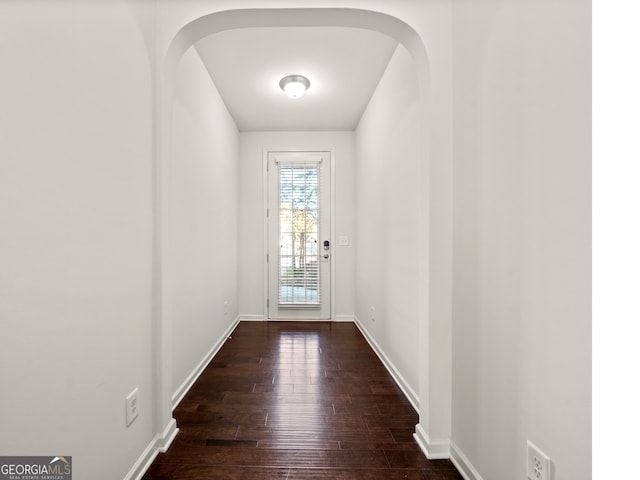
[(294, 85)]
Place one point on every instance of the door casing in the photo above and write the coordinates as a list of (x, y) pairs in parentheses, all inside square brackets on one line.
[(265, 206)]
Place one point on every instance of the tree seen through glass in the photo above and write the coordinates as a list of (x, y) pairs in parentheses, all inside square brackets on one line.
[(299, 255)]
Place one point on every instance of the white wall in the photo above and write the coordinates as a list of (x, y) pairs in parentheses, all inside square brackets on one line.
[(522, 319), (75, 199), (388, 196), (76, 233), (201, 223), (251, 220)]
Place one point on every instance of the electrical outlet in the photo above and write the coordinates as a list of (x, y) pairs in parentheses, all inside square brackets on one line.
[(373, 313), (132, 406), (538, 464), (226, 307)]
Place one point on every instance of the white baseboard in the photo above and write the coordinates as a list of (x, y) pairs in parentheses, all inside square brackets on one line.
[(159, 444), (433, 449), (247, 317), (402, 383), (307, 320), (463, 464), (166, 439), (182, 390)]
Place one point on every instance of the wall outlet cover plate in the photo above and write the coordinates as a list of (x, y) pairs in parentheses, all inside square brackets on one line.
[(538, 464), (132, 406)]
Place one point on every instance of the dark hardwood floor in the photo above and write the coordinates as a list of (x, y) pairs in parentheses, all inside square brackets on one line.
[(296, 400)]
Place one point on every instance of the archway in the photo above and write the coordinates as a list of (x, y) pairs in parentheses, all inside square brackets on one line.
[(432, 433)]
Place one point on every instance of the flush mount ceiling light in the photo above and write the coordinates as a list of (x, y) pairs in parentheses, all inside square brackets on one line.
[(294, 85)]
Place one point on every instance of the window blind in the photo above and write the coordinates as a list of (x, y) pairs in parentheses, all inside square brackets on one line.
[(299, 233)]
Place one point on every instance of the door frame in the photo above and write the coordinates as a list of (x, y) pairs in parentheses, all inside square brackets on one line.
[(265, 225)]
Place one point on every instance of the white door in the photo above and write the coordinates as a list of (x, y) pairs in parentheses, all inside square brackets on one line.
[(299, 235)]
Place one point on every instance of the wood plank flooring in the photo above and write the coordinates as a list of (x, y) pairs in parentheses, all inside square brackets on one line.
[(296, 400)]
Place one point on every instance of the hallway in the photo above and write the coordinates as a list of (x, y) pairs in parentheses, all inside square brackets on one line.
[(138, 231), (296, 400)]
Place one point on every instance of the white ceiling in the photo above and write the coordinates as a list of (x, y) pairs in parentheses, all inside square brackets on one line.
[(344, 66)]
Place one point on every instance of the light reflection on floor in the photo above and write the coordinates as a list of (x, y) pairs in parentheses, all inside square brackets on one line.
[(298, 416)]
